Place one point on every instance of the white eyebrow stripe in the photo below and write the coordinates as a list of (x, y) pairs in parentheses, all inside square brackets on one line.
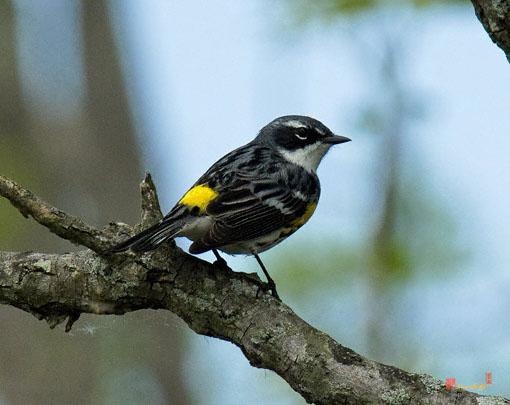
[(294, 124)]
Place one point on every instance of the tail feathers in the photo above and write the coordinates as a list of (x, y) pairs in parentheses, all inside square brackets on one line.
[(149, 239)]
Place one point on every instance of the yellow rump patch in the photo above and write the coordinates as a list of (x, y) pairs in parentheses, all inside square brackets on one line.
[(199, 196), (299, 222)]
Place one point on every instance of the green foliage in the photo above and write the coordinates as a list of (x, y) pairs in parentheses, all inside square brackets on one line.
[(316, 265), (325, 10), (423, 241), (427, 230), (13, 165)]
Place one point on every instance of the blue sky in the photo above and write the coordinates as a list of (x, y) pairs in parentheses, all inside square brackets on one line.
[(210, 74), (206, 76)]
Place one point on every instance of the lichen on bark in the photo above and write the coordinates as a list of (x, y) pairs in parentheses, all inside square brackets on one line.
[(213, 300)]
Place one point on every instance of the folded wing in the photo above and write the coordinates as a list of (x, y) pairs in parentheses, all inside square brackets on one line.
[(248, 211)]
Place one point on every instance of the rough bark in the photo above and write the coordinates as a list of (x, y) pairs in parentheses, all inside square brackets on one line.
[(495, 17), (213, 300)]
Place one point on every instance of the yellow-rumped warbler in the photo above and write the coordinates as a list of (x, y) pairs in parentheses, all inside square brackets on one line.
[(252, 198)]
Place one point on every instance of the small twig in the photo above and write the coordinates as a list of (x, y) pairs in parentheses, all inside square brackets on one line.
[(64, 225), (73, 317), (151, 211)]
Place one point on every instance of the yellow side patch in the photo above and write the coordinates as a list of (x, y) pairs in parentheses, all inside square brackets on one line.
[(299, 222), (199, 196)]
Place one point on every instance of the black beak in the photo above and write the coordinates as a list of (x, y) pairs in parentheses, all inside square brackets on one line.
[(335, 139)]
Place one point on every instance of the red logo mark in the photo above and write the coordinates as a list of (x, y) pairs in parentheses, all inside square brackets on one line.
[(488, 378), (450, 383)]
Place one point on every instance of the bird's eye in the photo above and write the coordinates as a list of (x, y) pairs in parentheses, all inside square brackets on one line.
[(301, 137)]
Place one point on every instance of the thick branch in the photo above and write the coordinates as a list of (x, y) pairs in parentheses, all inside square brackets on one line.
[(214, 301), (495, 17)]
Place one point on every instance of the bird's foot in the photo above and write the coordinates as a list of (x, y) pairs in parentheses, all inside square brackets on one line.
[(221, 262), (269, 286)]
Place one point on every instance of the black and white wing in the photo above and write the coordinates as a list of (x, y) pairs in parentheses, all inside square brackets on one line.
[(249, 210)]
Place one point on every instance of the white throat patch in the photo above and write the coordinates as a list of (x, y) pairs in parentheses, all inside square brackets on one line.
[(308, 157)]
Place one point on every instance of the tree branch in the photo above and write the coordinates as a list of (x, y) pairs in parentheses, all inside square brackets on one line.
[(64, 225), (495, 17), (214, 301)]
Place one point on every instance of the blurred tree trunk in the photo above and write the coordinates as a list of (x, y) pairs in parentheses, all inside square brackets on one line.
[(388, 168), (113, 161), (115, 166), (12, 109), (88, 164)]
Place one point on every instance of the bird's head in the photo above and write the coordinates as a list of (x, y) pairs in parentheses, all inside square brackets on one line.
[(301, 140)]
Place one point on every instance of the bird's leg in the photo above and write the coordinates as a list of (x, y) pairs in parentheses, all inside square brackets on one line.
[(270, 283), (220, 261)]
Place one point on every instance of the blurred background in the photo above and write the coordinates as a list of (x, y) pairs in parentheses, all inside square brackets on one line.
[(406, 259)]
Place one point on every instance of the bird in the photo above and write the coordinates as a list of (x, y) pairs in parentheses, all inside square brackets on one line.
[(252, 198)]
